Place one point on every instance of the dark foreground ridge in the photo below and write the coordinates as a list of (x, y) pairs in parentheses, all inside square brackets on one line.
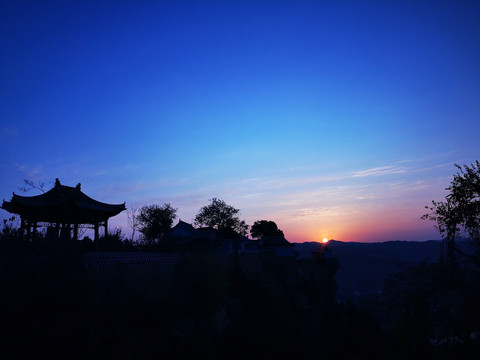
[(257, 306), (205, 305)]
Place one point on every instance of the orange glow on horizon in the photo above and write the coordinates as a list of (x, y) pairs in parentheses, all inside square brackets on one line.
[(384, 225)]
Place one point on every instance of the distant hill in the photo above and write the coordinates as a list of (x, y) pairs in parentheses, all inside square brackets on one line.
[(364, 266)]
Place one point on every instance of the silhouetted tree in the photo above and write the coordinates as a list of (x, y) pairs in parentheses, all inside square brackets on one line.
[(154, 221), (265, 228), (221, 216), (459, 214)]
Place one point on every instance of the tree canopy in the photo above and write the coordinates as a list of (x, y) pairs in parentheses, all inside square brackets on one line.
[(154, 221), (221, 216), (459, 214), (265, 228)]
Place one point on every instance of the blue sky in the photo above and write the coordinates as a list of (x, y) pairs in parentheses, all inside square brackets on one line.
[(334, 119)]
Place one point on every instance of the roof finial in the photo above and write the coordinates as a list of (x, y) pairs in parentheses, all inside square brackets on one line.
[(78, 186), (57, 182)]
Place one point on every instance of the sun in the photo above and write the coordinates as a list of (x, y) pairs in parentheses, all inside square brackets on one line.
[(325, 240)]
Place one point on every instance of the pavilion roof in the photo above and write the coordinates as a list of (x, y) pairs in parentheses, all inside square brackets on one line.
[(64, 204)]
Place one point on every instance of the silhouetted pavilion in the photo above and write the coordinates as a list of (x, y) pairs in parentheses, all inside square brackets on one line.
[(61, 208)]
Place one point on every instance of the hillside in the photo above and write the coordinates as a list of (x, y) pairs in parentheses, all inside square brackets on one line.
[(364, 266)]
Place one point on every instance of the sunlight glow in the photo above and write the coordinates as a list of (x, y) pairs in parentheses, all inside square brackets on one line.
[(325, 240)]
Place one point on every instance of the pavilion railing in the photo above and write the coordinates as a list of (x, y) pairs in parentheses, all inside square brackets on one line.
[(95, 260), (102, 260)]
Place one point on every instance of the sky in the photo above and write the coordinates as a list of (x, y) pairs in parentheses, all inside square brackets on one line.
[(336, 119)]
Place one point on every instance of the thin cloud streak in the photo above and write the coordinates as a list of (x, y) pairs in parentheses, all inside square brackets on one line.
[(380, 171)]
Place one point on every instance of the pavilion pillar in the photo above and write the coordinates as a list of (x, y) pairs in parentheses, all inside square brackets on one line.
[(29, 230), (34, 234), (62, 232), (22, 228), (57, 231), (95, 239), (75, 231)]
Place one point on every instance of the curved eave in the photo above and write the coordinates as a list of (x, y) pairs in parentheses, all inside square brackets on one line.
[(8, 206), (69, 211)]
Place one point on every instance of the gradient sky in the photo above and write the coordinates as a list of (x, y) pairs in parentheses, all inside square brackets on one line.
[(338, 119)]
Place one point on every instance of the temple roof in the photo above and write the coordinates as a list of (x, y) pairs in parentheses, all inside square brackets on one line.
[(64, 204), (183, 229), (277, 240)]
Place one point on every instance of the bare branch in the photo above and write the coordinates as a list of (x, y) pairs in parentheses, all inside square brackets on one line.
[(31, 185), (132, 219)]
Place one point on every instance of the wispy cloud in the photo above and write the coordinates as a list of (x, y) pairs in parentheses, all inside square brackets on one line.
[(430, 168), (380, 171), (7, 132), (30, 172), (316, 213), (131, 167)]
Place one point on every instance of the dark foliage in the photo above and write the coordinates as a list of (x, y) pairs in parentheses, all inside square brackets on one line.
[(114, 241), (459, 214), (265, 228), (155, 221), (219, 215), (426, 311), (10, 236)]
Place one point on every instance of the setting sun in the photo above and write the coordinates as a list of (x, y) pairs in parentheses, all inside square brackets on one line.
[(325, 240)]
